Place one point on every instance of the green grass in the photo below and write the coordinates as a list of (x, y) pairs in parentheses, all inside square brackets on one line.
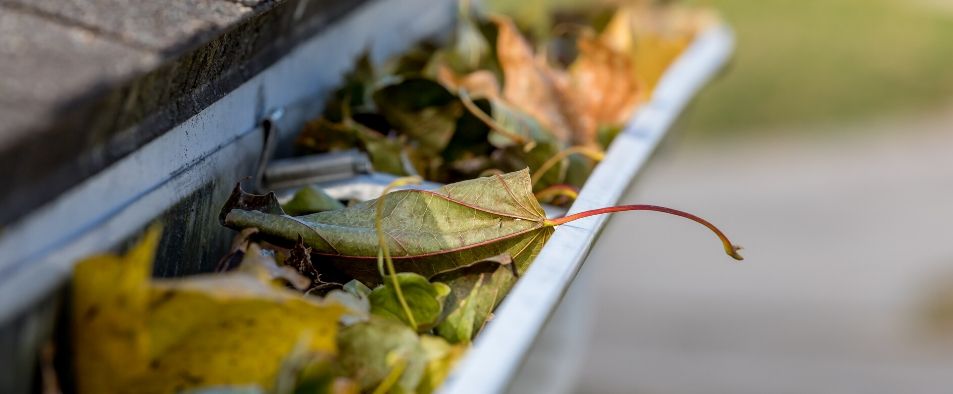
[(811, 61)]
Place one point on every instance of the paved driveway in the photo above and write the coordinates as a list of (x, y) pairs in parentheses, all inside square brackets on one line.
[(848, 235)]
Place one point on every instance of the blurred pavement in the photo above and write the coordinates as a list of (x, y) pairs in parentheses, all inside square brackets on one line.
[(848, 235)]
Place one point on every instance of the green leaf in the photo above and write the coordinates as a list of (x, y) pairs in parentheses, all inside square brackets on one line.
[(382, 348), (422, 109), (441, 357), (523, 141), (577, 171), (369, 351), (469, 142), (357, 288), (425, 300), (311, 199), (535, 159), (429, 232), (385, 153), (355, 94), (323, 135), (226, 390), (470, 47), (476, 290), (519, 123)]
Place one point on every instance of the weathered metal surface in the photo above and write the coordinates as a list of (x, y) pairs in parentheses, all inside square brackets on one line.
[(304, 170)]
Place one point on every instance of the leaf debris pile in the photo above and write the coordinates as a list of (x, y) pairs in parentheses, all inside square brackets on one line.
[(493, 101), (384, 295)]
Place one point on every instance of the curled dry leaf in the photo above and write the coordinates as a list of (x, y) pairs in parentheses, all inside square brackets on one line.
[(263, 266), (236, 253)]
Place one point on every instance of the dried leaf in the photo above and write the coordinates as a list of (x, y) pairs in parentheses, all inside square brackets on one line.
[(311, 199), (605, 83), (429, 232), (532, 86), (236, 253), (479, 84), (267, 203), (133, 334), (299, 258), (322, 135), (653, 37), (262, 265), (521, 124), (355, 94), (422, 109)]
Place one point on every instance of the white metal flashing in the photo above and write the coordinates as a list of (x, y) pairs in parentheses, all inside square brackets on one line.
[(498, 351)]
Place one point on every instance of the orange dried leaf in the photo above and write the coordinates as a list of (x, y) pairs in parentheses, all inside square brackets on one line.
[(605, 83), (529, 84)]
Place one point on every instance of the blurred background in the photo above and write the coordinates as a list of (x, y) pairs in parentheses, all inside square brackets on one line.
[(826, 149)]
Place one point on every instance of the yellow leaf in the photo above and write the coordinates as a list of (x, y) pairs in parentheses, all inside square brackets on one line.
[(654, 36), (441, 358), (134, 334)]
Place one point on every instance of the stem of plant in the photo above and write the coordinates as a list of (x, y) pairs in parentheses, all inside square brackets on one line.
[(400, 364), (730, 249), (592, 153), (488, 120), (384, 253), (554, 191)]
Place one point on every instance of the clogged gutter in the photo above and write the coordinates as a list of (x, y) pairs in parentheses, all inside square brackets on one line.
[(385, 295)]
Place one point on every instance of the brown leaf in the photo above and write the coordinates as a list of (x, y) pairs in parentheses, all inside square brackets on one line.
[(237, 252), (605, 82), (478, 84), (262, 264), (537, 89), (299, 258), (267, 203)]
